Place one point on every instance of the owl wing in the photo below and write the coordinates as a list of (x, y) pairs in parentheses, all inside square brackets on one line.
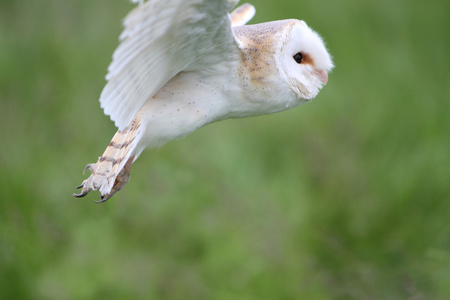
[(241, 15), (161, 39)]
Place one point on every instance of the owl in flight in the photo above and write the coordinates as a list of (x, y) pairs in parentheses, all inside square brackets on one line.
[(182, 64)]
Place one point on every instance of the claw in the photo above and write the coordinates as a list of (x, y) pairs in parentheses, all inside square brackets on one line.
[(104, 198), (84, 191), (98, 181), (88, 166), (101, 201), (82, 194), (85, 184)]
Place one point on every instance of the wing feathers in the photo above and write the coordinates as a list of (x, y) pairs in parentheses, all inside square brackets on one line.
[(241, 15), (160, 39)]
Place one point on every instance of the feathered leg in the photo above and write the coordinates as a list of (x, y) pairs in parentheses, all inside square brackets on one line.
[(112, 170)]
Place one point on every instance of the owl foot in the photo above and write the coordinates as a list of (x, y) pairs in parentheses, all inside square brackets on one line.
[(119, 183), (100, 180)]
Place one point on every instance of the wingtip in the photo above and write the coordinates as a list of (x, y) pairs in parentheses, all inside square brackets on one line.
[(242, 14)]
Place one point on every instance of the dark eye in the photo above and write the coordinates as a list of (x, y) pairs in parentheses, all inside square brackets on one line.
[(298, 57)]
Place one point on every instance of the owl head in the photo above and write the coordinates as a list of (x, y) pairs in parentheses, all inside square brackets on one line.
[(287, 57), (302, 58)]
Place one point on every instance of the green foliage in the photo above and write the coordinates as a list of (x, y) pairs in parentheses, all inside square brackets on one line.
[(344, 198)]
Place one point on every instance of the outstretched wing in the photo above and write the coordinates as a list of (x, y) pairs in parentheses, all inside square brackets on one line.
[(160, 39), (241, 15)]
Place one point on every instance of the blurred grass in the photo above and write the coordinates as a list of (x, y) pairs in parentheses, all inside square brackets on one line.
[(344, 198)]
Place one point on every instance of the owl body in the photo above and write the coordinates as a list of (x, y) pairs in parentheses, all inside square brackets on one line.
[(196, 98), (232, 72)]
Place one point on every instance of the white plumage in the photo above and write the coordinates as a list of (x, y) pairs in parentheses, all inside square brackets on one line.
[(182, 64)]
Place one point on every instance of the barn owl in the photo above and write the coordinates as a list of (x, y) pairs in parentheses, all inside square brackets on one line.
[(182, 64)]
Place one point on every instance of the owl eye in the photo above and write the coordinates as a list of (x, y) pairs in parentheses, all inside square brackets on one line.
[(298, 57)]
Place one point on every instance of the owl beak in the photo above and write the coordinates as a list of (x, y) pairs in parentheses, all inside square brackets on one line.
[(323, 76)]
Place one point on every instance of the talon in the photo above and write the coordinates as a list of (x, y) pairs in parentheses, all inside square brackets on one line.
[(82, 194), (101, 181), (103, 199), (100, 201), (88, 166)]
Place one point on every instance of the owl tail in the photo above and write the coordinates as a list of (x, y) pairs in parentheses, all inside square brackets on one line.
[(112, 170)]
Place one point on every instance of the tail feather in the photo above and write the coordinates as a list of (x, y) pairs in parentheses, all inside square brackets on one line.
[(112, 170)]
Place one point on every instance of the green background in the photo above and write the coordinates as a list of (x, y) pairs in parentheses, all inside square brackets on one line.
[(346, 197)]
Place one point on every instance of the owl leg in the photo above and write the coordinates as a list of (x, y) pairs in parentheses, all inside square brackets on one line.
[(120, 181), (112, 170), (91, 184)]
